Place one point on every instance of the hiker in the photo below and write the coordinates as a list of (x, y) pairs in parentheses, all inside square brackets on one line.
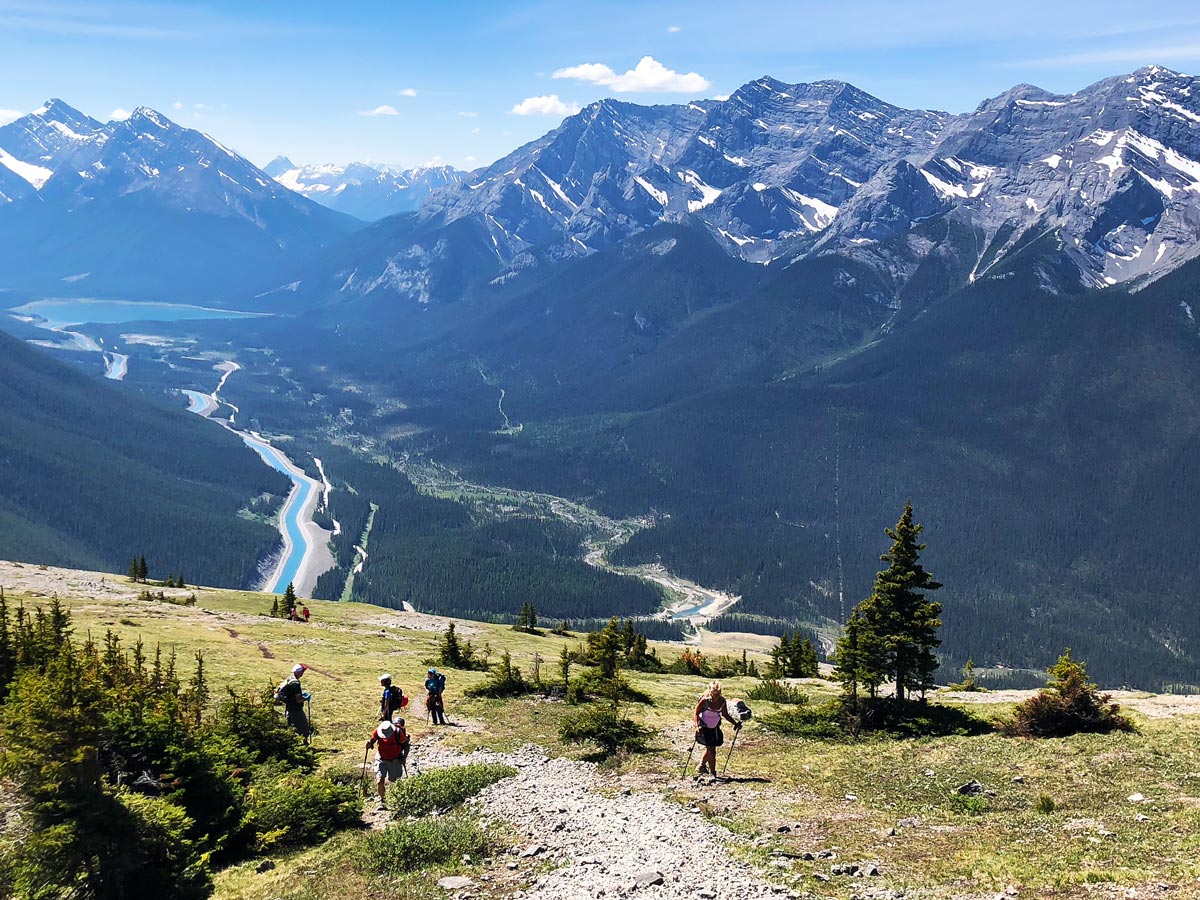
[(393, 699), (709, 711), (293, 696), (391, 752), (435, 686), (304, 614)]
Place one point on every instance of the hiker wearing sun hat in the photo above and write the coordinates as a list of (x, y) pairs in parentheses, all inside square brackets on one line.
[(292, 696), (391, 750)]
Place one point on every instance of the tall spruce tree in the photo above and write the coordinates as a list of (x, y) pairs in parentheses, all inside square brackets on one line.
[(898, 623), (289, 599), (143, 571)]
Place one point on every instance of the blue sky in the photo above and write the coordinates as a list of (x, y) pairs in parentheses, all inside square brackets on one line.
[(449, 80)]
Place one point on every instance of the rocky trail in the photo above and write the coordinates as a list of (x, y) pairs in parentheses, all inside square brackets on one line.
[(582, 834)]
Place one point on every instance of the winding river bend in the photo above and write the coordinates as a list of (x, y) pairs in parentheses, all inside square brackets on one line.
[(305, 552)]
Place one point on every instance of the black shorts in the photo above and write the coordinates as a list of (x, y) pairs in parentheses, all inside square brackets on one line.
[(710, 737)]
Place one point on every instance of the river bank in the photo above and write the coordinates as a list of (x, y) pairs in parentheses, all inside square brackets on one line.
[(305, 553)]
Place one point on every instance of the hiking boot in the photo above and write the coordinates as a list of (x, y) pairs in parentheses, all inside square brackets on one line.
[(703, 770)]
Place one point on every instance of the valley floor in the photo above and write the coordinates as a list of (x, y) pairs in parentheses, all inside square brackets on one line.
[(798, 817)]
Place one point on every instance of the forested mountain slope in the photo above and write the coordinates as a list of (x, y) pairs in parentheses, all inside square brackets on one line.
[(91, 474)]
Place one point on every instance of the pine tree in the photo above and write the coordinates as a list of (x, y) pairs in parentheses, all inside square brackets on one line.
[(143, 571), (289, 599), (132, 574), (564, 667), (848, 662), (275, 607), (898, 634), (532, 617), (451, 651)]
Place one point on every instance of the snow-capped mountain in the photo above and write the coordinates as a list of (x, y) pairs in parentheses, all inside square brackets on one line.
[(365, 191), (144, 204), (784, 171)]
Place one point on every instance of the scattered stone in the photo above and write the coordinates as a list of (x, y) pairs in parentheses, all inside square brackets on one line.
[(532, 850), (648, 878), (852, 797), (1018, 779), (929, 773), (706, 894), (910, 822), (784, 829), (820, 876), (871, 870), (512, 864), (971, 789), (1136, 798), (1141, 817), (454, 882), (265, 866)]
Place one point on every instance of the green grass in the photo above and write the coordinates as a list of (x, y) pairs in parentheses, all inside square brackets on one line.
[(1087, 832), (443, 789)]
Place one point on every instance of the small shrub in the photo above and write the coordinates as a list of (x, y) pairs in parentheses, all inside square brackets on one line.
[(592, 683), (1070, 704), (164, 859), (969, 684), (298, 809), (410, 845), (605, 727), (969, 805), (443, 788), (823, 722), (1044, 805), (505, 681), (774, 691)]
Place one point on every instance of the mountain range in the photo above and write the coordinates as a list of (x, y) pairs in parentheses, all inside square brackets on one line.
[(143, 206), (365, 191), (780, 172)]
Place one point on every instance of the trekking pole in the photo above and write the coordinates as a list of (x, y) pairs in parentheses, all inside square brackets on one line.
[(363, 789), (732, 744), (687, 762)]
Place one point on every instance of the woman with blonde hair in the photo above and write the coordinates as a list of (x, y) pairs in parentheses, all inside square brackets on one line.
[(709, 711)]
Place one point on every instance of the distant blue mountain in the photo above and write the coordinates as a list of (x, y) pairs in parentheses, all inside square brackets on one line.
[(143, 206), (362, 190)]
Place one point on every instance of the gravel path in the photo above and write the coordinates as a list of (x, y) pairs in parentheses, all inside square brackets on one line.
[(598, 840)]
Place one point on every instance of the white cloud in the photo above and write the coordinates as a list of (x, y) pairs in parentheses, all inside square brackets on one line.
[(119, 115), (408, 92), (474, 131), (384, 110), (8, 115), (177, 105), (548, 105), (649, 76), (467, 114), (469, 159), (673, 29), (721, 97)]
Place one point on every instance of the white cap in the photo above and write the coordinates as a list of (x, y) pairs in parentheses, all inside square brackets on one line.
[(299, 669), (385, 677), (385, 729)]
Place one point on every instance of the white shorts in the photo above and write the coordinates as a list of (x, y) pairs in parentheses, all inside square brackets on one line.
[(391, 769)]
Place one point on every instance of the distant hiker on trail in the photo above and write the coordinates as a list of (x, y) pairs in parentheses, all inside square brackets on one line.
[(435, 686), (304, 614), (391, 752), (392, 701), (709, 711), (293, 696)]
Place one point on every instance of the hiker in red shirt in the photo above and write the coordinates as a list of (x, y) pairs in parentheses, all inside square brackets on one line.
[(391, 750)]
